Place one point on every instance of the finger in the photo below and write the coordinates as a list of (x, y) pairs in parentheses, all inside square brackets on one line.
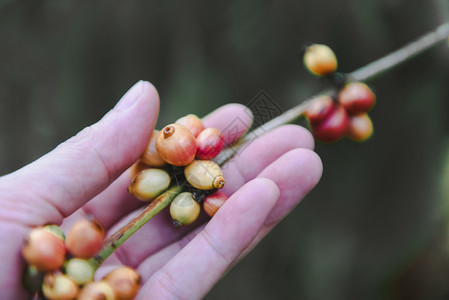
[(249, 162), (158, 233), (63, 180), (113, 203), (203, 261), (295, 173)]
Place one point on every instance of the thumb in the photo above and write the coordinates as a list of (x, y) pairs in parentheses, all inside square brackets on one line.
[(60, 182)]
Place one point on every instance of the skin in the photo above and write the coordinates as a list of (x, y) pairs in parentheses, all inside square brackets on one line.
[(88, 174)]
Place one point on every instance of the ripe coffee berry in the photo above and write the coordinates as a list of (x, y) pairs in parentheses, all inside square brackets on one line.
[(213, 202), (193, 123), (85, 238), (176, 145), (125, 282), (319, 109), (320, 60), (333, 127), (44, 250), (360, 127), (150, 157), (209, 143), (356, 97)]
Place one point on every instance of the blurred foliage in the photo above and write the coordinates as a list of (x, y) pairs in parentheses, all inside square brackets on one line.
[(374, 228)]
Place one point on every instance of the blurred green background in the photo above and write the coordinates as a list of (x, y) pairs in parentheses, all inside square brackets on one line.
[(375, 226)]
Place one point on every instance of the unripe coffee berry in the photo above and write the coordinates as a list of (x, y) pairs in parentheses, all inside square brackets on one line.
[(333, 127), (320, 60), (356, 97), (85, 238), (96, 290), (192, 123), (213, 202), (319, 109), (360, 127), (125, 282), (150, 156), (209, 143), (149, 184), (184, 210), (58, 286), (204, 175), (79, 270), (176, 145), (44, 250)]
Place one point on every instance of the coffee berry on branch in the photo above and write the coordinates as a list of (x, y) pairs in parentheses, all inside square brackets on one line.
[(345, 113), (58, 266)]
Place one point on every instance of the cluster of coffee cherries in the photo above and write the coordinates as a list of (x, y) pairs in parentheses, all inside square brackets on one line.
[(345, 113), (58, 266), (181, 153)]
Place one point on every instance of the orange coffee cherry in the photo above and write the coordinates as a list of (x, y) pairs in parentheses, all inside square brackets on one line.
[(44, 250), (150, 156), (125, 282), (176, 145), (85, 238), (360, 127), (193, 123)]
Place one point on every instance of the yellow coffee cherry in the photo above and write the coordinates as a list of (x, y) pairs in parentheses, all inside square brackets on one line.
[(320, 60), (184, 210), (149, 184), (204, 175)]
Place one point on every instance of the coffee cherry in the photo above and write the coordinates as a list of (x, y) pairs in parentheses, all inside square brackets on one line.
[(79, 270), (356, 97), (44, 250), (360, 127), (125, 282), (184, 210), (85, 238), (96, 290), (204, 175), (149, 184), (213, 202), (319, 109), (150, 156), (58, 286), (176, 145), (209, 143), (320, 60), (193, 123), (333, 127)]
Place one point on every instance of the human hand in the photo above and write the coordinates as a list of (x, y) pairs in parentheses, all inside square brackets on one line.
[(87, 175)]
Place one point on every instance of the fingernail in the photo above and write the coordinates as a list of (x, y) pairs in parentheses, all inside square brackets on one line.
[(131, 96)]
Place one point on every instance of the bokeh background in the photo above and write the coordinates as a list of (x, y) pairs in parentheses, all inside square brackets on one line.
[(376, 225)]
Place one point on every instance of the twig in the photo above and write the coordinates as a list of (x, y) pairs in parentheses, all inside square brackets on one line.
[(362, 74)]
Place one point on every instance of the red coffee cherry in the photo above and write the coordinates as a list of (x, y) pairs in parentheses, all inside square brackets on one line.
[(213, 202), (176, 145), (360, 127), (209, 143), (320, 60), (333, 127), (319, 109), (356, 97), (192, 123), (44, 250), (85, 238)]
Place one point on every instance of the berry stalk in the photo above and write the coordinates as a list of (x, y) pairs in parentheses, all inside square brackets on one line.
[(118, 238)]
